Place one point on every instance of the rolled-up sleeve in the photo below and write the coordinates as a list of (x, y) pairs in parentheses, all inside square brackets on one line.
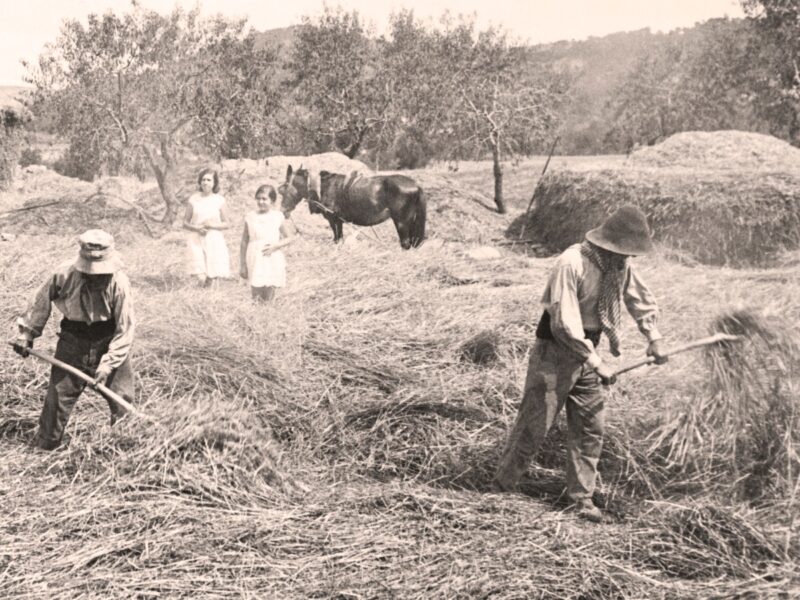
[(32, 322), (120, 344), (561, 302), (641, 304)]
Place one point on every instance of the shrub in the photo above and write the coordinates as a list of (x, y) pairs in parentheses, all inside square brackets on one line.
[(30, 156), (411, 151), (9, 146)]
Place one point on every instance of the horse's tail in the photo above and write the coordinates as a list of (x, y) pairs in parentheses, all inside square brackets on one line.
[(418, 221)]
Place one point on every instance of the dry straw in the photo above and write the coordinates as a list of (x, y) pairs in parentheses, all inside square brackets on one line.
[(740, 434), (336, 444), (714, 217), (723, 198)]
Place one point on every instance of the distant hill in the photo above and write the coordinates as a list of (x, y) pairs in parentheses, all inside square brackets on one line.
[(11, 103), (10, 96), (283, 37), (599, 65)]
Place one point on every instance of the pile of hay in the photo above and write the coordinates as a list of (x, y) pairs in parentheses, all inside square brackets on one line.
[(712, 217), (358, 371), (739, 435), (335, 162), (735, 150)]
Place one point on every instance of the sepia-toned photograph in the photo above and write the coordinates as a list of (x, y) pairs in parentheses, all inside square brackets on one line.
[(424, 299)]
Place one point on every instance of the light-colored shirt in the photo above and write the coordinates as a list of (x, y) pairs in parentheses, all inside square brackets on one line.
[(571, 298), (67, 289)]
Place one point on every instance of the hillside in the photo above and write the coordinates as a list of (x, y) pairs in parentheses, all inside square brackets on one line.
[(598, 66)]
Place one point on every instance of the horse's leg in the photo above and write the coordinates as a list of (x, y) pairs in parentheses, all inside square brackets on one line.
[(339, 231), (400, 224), (417, 225), (332, 222)]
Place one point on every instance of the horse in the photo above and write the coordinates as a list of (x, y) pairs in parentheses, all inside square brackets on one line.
[(367, 200)]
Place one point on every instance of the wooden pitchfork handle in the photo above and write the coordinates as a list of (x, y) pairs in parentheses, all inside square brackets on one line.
[(714, 339), (98, 387)]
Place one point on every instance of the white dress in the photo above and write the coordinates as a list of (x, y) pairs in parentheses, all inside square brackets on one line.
[(208, 253), (264, 229)]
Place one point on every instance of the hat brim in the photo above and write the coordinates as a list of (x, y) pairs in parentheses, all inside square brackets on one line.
[(638, 249), (105, 266)]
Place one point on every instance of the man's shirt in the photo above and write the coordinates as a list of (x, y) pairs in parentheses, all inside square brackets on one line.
[(77, 301), (571, 298)]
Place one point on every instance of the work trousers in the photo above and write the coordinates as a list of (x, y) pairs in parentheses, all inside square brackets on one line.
[(83, 353), (556, 377)]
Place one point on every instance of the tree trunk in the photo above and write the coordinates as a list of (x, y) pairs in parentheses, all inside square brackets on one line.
[(498, 179), (164, 173)]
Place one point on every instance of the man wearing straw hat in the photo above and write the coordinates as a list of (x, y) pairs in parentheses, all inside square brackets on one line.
[(582, 299), (94, 297)]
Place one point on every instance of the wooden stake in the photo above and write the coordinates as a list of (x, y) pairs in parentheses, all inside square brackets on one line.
[(536, 188)]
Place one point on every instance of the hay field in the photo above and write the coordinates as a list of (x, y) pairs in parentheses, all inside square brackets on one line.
[(338, 443)]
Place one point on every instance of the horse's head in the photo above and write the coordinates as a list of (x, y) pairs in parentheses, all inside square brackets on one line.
[(294, 189)]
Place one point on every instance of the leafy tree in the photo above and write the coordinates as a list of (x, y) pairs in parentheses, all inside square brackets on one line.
[(499, 112), (334, 63), (465, 90), (491, 107), (129, 91), (9, 145), (777, 23), (704, 78)]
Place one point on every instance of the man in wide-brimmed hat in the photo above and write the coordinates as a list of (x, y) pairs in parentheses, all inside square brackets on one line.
[(581, 302), (94, 297)]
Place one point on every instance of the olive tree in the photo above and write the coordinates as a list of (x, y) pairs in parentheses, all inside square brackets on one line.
[(128, 90)]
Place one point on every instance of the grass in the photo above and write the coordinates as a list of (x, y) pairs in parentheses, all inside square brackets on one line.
[(339, 442)]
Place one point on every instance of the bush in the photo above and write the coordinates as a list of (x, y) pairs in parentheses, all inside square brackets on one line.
[(30, 156), (9, 147), (411, 151)]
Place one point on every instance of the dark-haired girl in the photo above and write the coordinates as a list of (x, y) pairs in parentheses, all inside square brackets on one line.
[(262, 261), (206, 219)]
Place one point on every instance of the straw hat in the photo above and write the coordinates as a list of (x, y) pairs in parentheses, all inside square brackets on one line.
[(97, 255), (624, 232)]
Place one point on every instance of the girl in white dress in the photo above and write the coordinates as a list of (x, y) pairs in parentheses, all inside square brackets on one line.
[(265, 232), (206, 219)]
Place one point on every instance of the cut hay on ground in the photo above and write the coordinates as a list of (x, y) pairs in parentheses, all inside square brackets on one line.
[(336, 444)]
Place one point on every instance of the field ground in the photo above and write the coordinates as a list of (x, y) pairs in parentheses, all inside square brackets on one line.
[(338, 444)]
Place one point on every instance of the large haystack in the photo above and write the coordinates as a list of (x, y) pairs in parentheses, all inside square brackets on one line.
[(336, 162), (734, 150), (738, 215)]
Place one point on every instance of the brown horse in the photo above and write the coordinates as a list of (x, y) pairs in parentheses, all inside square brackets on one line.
[(360, 200)]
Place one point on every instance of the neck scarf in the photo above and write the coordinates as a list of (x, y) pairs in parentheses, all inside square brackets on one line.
[(608, 305)]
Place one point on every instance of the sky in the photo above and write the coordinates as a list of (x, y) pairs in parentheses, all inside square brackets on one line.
[(27, 25)]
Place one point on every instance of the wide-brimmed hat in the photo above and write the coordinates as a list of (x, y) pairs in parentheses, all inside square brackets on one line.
[(624, 232), (97, 255)]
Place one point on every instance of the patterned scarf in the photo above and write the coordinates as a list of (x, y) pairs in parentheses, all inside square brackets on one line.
[(608, 306)]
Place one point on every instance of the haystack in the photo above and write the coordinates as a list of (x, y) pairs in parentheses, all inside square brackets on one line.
[(735, 150), (746, 213), (335, 162)]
